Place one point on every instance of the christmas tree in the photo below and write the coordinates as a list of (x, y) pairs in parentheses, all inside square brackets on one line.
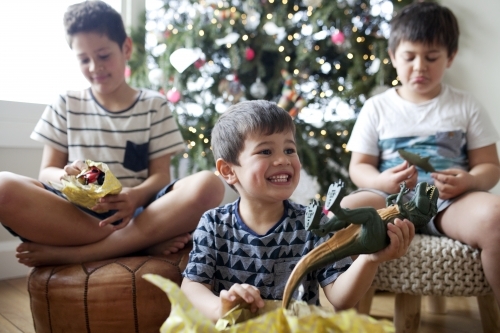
[(319, 60)]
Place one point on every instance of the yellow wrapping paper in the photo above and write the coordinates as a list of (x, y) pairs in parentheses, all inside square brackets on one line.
[(184, 318), (88, 195)]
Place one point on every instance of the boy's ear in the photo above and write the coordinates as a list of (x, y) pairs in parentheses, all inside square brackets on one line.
[(127, 47), (450, 59), (226, 171)]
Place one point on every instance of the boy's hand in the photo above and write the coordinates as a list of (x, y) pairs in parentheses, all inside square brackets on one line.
[(389, 180), (237, 294), (452, 182), (74, 168), (123, 203), (401, 234)]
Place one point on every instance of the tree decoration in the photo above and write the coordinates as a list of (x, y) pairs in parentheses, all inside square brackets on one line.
[(249, 54), (258, 90), (338, 37), (173, 95), (327, 79)]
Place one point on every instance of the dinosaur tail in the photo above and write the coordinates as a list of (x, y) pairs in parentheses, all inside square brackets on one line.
[(330, 251)]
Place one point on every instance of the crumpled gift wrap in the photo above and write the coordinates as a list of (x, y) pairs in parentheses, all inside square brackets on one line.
[(184, 318), (88, 195)]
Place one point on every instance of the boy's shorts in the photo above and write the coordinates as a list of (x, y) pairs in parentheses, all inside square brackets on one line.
[(101, 216), (430, 228)]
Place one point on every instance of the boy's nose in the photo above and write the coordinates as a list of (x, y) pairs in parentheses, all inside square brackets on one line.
[(282, 160), (419, 64)]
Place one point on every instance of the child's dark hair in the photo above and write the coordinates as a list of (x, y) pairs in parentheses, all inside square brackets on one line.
[(425, 22), (242, 119), (94, 16)]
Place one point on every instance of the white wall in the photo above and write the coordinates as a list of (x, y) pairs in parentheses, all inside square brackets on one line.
[(476, 67)]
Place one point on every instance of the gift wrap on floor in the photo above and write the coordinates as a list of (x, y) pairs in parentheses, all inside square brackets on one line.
[(301, 317)]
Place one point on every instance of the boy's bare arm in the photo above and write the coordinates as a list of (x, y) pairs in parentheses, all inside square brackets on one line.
[(202, 298), (52, 166), (483, 175), (351, 285), (363, 170)]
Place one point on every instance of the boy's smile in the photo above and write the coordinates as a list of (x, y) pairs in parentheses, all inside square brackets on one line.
[(420, 69)]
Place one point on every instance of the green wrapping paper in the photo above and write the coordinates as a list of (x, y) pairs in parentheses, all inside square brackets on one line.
[(301, 317)]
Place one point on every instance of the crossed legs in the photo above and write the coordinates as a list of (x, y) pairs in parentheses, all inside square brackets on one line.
[(162, 227)]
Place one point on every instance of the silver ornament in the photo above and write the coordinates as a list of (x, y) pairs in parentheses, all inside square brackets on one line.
[(258, 89)]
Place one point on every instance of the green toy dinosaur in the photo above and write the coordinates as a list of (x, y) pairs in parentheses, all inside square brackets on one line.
[(359, 231), (415, 159)]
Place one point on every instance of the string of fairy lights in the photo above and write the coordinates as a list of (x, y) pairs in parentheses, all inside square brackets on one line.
[(331, 53)]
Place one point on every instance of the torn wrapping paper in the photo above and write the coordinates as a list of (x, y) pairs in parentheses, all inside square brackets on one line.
[(301, 317), (87, 195)]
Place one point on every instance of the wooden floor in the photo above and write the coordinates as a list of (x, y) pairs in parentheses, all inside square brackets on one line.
[(462, 312)]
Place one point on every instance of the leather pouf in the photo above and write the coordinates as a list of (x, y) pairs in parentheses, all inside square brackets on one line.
[(103, 296)]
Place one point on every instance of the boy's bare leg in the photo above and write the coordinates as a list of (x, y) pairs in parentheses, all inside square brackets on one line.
[(474, 219), (43, 217), (175, 214), (363, 199)]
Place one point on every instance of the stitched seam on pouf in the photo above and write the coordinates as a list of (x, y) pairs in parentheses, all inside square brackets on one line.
[(134, 294), (47, 297), (85, 300), (31, 298)]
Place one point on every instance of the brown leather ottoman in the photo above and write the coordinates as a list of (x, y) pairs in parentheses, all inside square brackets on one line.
[(103, 296)]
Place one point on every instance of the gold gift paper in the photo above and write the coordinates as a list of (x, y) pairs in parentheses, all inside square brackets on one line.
[(184, 318), (88, 195)]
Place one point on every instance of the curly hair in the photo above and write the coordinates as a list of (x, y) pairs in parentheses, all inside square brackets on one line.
[(94, 16)]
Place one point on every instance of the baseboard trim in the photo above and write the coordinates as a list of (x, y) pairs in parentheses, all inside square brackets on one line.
[(9, 267)]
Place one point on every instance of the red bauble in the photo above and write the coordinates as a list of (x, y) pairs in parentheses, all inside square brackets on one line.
[(199, 63), (173, 95), (249, 54), (338, 37)]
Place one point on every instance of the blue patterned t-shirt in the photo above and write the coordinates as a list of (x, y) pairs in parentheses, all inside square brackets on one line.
[(225, 252)]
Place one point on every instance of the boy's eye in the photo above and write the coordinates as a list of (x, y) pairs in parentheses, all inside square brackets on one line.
[(265, 152), (104, 57), (290, 151), (431, 59), (84, 61)]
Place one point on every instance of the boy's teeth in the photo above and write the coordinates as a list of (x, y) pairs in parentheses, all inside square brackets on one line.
[(279, 178)]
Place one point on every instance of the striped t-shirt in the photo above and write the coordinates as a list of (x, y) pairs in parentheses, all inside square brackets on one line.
[(225, 252), (126, 140)]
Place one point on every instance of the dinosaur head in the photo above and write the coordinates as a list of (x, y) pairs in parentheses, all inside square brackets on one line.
[(423, 206)]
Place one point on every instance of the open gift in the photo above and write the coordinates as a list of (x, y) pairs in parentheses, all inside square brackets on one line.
[(94, 182), (300, 317)]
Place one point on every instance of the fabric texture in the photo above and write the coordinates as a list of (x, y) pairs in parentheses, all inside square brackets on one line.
[(443, 128), (78, 125), (434, 266), (225, 251)]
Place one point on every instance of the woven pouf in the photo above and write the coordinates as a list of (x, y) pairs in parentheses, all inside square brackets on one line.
[(434, 266), (103, 296)]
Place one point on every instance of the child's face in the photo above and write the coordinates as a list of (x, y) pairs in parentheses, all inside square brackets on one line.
[(101, 61), (420, 69), (269, 168)]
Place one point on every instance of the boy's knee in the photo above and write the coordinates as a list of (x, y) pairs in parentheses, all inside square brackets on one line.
[(9, 185), (209, 189)]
